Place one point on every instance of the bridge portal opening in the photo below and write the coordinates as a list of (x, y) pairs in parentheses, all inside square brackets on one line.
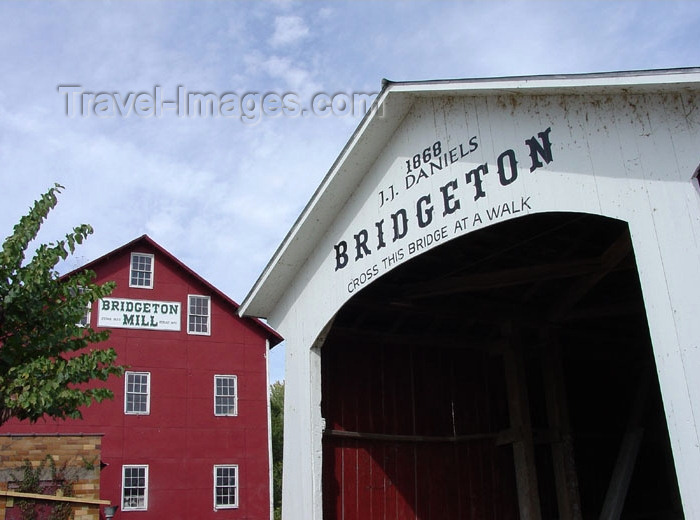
[(506, 374)]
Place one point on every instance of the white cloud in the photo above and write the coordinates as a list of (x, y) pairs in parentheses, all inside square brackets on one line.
[(219, 194), (295, 77), (288, 30)]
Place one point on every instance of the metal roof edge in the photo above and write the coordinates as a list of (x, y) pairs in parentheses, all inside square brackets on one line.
[(613, 78)]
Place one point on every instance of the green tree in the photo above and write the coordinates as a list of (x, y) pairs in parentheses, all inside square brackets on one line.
[(44, 359), (277, 433)]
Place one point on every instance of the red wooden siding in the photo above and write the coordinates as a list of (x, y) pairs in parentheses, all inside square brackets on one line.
[(428, 395)]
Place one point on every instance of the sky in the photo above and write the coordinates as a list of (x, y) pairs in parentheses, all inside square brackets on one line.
[(208, 125)]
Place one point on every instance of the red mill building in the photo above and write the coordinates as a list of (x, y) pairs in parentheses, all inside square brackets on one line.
[(490, 305), (186, 435)]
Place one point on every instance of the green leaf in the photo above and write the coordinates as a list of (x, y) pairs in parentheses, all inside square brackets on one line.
[(44, 360)]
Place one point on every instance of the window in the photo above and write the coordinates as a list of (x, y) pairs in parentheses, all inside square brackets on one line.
[(135, 488), (137, 399), (141, 274), (225, 395), (225, 487), (198, 315), (85, 319)]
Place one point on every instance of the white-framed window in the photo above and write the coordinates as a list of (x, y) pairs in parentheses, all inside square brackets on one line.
[(198, 315), (141, 272), (135, 487), (137, 393), (225, 486), (225, 395), (85, 319)]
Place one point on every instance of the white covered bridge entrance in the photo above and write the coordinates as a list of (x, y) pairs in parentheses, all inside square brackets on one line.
[(492, 299)]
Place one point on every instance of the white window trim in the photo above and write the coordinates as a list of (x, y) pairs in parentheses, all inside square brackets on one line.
[(124, 507), (148, 392), (131, 266), (88, 310), (208, 332), (235, 396), (238, 486), (88, 317)]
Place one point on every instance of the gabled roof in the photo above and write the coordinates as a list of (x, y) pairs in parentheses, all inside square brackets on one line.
[(390, 107), (266, 330)]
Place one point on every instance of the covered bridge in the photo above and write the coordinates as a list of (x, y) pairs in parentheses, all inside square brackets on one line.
[(491, 305)]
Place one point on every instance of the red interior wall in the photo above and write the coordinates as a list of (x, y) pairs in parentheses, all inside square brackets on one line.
[(415, 391)]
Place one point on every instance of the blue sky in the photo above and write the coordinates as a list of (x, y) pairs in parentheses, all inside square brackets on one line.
[(218, 192)]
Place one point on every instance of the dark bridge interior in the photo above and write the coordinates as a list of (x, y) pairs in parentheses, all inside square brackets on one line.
[(505, 374)]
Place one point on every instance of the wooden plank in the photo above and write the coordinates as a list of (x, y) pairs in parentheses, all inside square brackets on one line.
[(627, 455), (332, 478), (423, 478), (377, 482), (350, 509), (55, 498), (479, 470), (503, 499), (465, 480), (565, 476), (346, 370), (362, 384), (388, 437), (610, 259), (622, 475), (364, 481), (523, 449), (406, 482), (392, 495)]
